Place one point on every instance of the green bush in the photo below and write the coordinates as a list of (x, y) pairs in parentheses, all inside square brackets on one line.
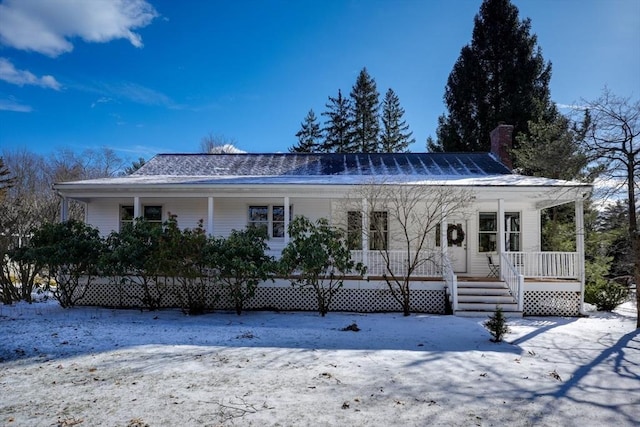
[(605, 294), (497, 325)]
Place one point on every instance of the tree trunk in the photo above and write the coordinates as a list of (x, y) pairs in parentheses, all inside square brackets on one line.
[(634, 236), (636, 264)]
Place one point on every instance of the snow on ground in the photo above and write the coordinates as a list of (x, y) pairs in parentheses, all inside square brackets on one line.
[(102, 367)]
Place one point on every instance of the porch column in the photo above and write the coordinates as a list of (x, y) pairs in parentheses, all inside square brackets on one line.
[(580, 247), (64, 210), (210, 206), (137, 208), (286, 219), (365, 233), (500, 240)]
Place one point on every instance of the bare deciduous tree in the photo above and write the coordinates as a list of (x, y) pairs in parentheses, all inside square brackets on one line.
[(614, 143), (219, 144), (402, 221)]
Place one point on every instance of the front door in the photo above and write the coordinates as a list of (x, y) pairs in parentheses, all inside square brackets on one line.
[(457, 245)]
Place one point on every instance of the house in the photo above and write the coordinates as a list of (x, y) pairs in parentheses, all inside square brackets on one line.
[(493, 252)]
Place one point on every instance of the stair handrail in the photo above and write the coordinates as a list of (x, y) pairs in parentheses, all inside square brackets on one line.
[(450, 280), (513, 279)]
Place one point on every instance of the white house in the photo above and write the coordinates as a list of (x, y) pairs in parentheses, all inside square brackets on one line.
[(493, 254)]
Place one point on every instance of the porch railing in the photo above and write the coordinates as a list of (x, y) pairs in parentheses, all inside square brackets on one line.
[(428, 265), (451, 281), (558, 265), (513, 278)]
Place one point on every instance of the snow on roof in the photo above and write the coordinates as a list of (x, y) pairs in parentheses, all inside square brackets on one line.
[(462, 169), (329, 164)]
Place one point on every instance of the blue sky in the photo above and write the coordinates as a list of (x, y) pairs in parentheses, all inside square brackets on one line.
[(157, 76)]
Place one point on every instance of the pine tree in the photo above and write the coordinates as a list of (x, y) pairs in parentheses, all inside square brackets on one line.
[(497, 325), (337, 127), (552, 149), (500, 76), (364, 115), (309, 135), (395, 136)]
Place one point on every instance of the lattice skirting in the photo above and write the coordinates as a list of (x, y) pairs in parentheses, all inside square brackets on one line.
[(551, 303), (267, 298)]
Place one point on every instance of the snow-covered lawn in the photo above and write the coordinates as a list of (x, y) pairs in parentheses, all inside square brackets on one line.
[(102, 367)]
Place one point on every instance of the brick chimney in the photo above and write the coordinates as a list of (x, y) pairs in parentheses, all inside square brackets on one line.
[(501, 144)]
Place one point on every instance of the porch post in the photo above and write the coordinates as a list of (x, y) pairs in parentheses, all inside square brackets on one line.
[(137, 208), (210, 206), (500, 241), (286, 219), (579, 208), (64, 210), (365, 233)]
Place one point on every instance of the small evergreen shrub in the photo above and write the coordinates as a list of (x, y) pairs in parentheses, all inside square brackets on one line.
[(497, 325), (605, 295)]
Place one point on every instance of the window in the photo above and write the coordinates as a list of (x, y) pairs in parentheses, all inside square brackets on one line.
[(378, 231), (278, 221), (271, 218), (152, 214), (259, 217), (488, 231), (126, 216), (512, 231), (354, 230)]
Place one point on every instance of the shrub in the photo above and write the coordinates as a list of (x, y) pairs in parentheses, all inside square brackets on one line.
[(132, 259), (606, 295), (242, 263), (185, 256), (319, 254), (497, 325), (70, 252)]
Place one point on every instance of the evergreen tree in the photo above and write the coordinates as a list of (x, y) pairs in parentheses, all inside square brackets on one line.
[(364, 115), (309, 135), (337, 127), (137, 164), (553, 149), (500, 76), (395, 137)]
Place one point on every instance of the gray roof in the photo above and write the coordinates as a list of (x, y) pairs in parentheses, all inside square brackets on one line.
[(318, 165)]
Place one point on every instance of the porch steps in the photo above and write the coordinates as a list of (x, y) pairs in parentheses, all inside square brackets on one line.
[(480, 299)]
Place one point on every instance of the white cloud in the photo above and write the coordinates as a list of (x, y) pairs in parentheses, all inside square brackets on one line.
[(47, 26), (10, 74), (12, 105), (101, 100)]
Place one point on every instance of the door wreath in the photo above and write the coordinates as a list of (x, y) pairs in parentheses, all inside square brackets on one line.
[(459, 234)]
